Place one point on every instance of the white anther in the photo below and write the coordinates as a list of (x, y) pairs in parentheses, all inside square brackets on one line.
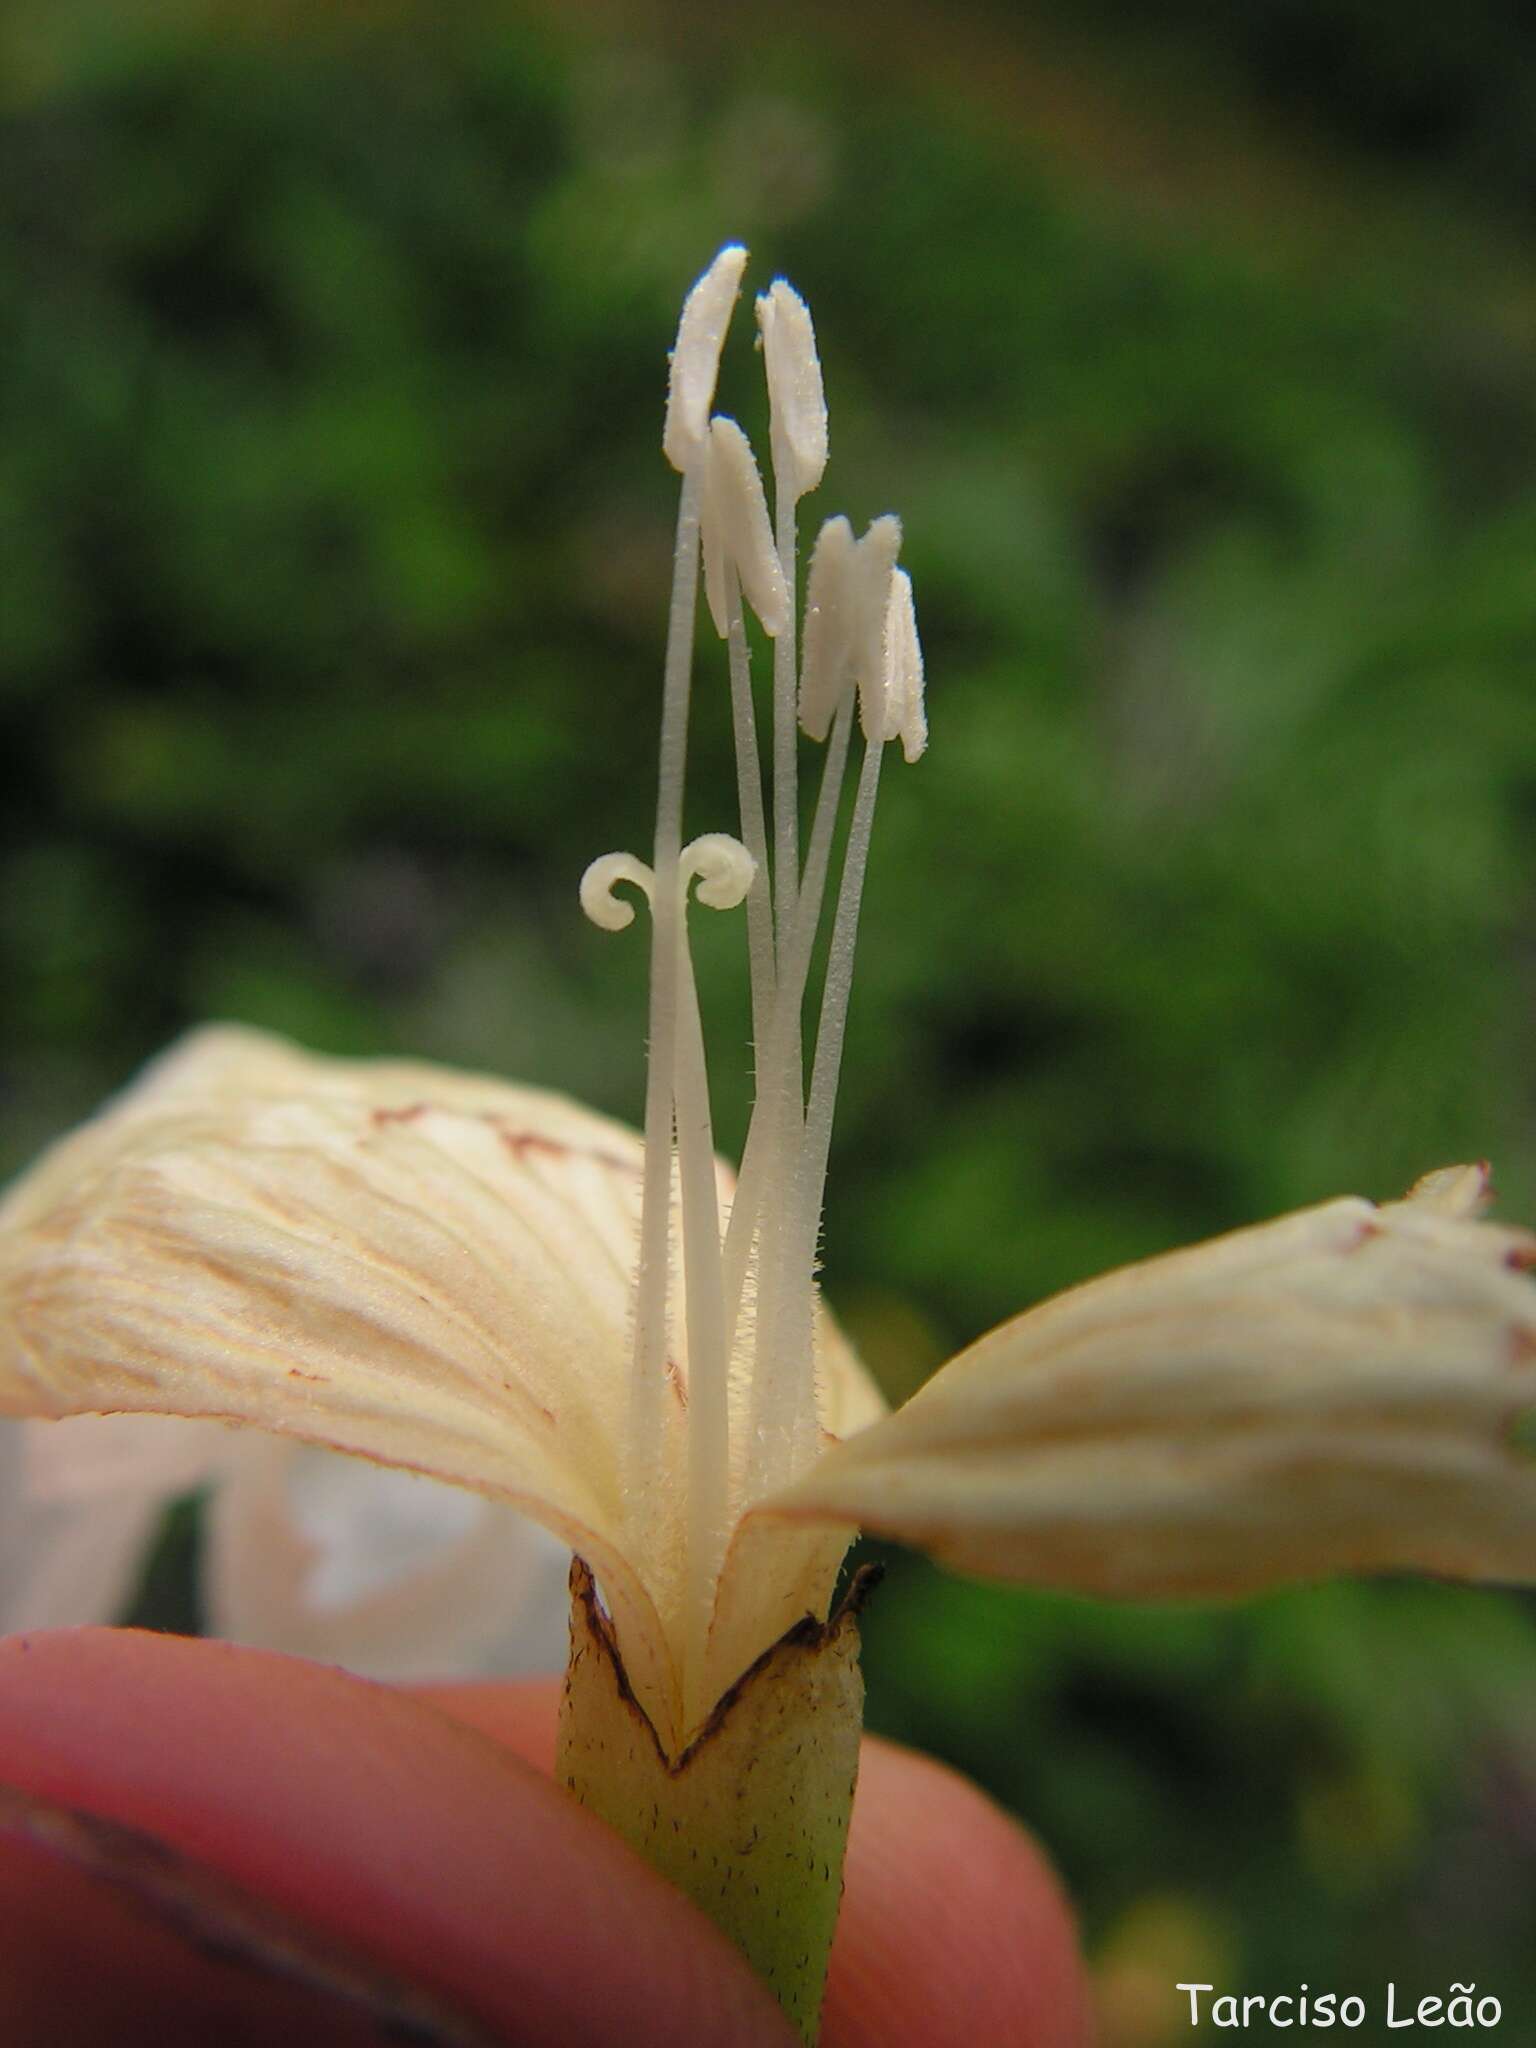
[(827, 642), (905, 718), (734, 516), (724, 868), (870, 576), (602, 877), (696, 357), (796, 399)]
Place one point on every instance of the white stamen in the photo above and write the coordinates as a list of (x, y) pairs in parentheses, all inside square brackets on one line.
[(709, 1443), (815, 878), (895, 706), (786, 795), (754, 826), (805, 1199), (648, 1381), (602, 877), (887, 663), (736, 531), (861, 657), (826, 658), (839, 981), (696, 357), (870, 575), (777, 1077), (906, 718), (795, 394)]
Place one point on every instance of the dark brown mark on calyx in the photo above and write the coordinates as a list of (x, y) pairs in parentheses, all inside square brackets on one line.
[(807, 1633)]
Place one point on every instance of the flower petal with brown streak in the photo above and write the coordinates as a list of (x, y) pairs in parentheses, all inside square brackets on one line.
[(373, 1257), (1332, 1391)]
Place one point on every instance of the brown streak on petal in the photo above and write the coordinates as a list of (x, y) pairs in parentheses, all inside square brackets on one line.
[(240, 1279), (548, 1414), (520, 1143), (523, 1142), (407, 1115)]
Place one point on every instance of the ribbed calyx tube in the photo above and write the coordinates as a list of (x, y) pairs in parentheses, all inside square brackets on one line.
[(751, 1820)]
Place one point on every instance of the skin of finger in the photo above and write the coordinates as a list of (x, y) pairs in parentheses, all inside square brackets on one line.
[(954, 1929), (83, 1963), (395, 1831)]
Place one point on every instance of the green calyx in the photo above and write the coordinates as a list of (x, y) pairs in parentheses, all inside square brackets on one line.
[(751, 1820)]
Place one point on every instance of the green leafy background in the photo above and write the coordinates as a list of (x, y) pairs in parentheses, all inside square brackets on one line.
[(335, 535)]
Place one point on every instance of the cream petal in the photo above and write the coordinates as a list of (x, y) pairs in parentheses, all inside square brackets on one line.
[(426, 1268), (1332, 1391), (392, 1575), (1455, 1190), (847, 1398)]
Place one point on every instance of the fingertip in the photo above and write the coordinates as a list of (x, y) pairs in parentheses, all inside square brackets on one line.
[(954, 1929), (371, 1827), (83, 1962), (521, 1714)]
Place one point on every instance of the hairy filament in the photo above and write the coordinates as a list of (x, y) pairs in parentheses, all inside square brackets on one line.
[(779, 1066), (784, 1431), (786, 798), (754, 829), (805, 1199), (648, 1378), (708, 1348), (775, 1151)]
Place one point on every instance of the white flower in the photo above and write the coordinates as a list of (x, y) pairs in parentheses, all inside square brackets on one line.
[(496, 1287)]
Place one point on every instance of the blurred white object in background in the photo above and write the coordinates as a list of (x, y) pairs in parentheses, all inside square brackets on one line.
[(388, 1573)]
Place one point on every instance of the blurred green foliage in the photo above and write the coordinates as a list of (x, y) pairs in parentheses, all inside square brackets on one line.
[(336, 528)]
